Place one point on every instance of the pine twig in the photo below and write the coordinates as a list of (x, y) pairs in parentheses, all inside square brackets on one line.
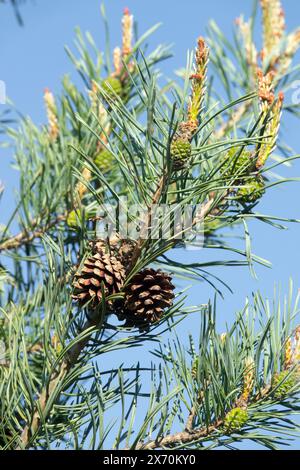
[(139, 246), (184, 437), (31, 429), (189, 427), (24, 237), (191, 435)]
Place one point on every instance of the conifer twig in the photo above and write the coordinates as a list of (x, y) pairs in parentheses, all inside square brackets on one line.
[(139, 245), (25, 237), (56, 378), (191, 434), (184, 437)]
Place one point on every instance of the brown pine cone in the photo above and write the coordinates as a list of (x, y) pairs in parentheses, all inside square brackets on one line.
[(99, 271), (148, 294)]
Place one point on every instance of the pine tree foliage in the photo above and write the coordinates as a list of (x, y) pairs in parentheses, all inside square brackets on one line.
[(129, 132)]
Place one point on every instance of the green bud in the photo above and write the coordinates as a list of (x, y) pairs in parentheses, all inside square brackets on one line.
[(112, 86), (233, 165), (74, 219), (181, 151), (284, 382), (235, 419), (104, 160), (195, 366), (251, 191)]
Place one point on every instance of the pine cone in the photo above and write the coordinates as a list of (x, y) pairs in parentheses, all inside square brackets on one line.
[(181, 151), (148, 294), (240, 165), (283, 383), (251, 191), (99, 271), (235, 419), (104, 160), (112, 86)]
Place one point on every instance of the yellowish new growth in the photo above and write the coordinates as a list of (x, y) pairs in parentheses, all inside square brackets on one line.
[(97, 105), (297, 344), (117, 59), (273, 32), (297, 347), (198, 81), (51, 115), (265, 90), (127, 23), (271, 111), (273, 28), (103, 138), (249, 376), (56, 343), (292, 45), (251, 52), (102, 114), (81, 187), (106, 127), (93, 96), (288, 354)]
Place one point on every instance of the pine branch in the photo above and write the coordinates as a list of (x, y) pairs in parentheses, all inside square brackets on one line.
[(39, 417), (180, 438), (24, 237), (192, 435), (155, 200), (252, 393), (189, 427)]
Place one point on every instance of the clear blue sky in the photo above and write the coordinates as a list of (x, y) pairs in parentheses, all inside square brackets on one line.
[(33, 57)]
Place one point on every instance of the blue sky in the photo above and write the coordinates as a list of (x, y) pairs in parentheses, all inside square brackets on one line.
[(33, 57)]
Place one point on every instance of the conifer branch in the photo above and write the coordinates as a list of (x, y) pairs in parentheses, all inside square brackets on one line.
[(181, 438), (237, 416), (25, 237), (57, 377), (140, 242)]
